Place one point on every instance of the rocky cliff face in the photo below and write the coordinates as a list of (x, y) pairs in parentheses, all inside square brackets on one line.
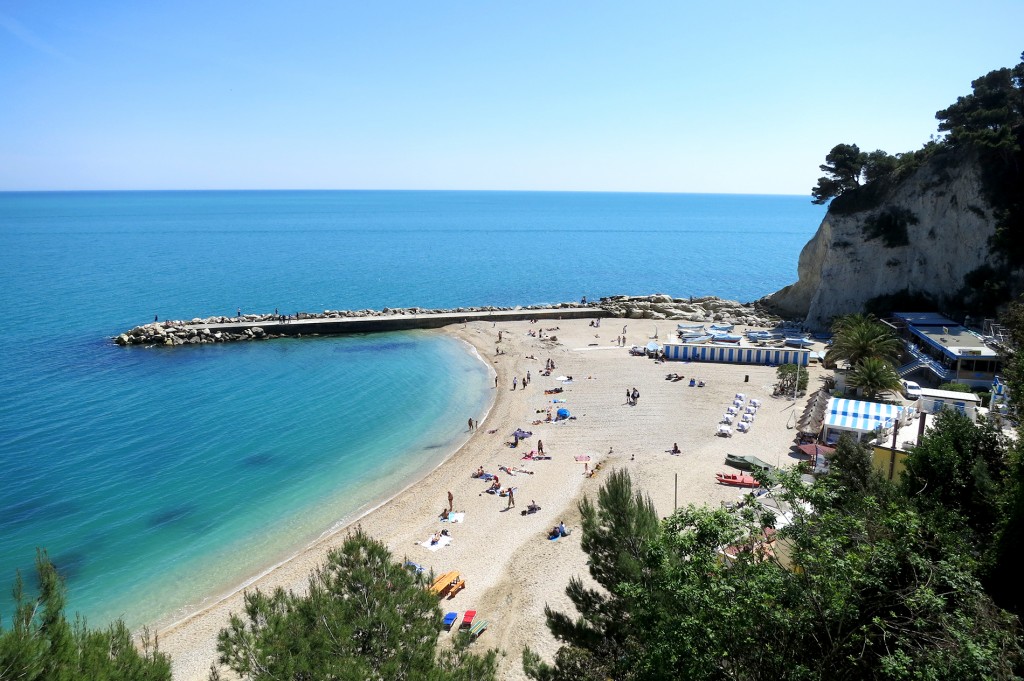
[(929, 232)]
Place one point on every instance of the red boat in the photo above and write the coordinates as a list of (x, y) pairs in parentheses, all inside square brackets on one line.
[(737, 479)]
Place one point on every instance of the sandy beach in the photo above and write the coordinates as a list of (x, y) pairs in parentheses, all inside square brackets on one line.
[(512, 569)]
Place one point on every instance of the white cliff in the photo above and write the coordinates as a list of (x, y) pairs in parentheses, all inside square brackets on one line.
[(841, 268)]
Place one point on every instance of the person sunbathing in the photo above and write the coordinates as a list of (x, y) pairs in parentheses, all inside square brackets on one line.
[(533, 507), (435, 538), (675, 448), (479, 472), (554, 533), (495, 485), (444, 514)]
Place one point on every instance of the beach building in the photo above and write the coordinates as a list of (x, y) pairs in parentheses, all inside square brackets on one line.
[(735, 353), (863, 421), (933, 401), (1000, 403), (949, 351), (889, 454)]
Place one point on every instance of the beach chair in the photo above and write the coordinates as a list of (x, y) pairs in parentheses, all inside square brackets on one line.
[(467, 620), (449, 620), (726, 418), (743, 427), (477, 629)]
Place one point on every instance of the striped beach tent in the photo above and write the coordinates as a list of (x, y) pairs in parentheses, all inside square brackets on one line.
[(859, 417)]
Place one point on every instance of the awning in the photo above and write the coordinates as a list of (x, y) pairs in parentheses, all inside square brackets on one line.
[(813, 450), (863, 417)]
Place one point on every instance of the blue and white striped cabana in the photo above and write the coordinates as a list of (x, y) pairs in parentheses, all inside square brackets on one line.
[(858, 418), (735, 354)]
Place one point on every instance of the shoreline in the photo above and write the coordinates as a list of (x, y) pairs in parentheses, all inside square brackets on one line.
[(165, 625), (512, 570)]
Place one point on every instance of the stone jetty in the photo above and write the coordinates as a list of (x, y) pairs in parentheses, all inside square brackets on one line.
[(251, 327)]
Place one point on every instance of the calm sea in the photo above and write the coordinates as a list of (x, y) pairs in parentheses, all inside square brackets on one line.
[(156, 478)]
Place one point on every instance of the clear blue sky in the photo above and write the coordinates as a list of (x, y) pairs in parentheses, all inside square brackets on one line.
[(735, 97)]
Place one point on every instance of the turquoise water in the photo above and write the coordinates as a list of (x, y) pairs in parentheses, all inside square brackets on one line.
[(159, 477)]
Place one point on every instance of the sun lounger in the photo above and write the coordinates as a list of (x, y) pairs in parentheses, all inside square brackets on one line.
[(449, 620), (467, 621), (726, 418), (743, 427), (477, 629), (415, 567)]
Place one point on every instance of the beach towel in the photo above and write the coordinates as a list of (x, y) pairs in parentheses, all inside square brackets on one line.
[(455, 518), (443, 541), (582, 457)]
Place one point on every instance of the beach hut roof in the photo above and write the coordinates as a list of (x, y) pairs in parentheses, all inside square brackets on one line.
[(860, 416)]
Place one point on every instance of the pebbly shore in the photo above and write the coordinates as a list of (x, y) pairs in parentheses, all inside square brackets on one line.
[(250, 327)]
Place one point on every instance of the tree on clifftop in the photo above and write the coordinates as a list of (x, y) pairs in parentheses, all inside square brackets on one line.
[(843, 167)]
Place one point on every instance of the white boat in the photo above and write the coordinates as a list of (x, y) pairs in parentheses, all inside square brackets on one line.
[(698, 339), (721, 327), (799, 342), (690, 326)]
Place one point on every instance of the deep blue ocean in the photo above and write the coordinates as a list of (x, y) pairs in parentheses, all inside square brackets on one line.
[(157, 478)]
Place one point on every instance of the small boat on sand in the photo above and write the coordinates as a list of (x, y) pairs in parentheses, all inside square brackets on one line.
[(737, 479), (746, 463), (799, 342)]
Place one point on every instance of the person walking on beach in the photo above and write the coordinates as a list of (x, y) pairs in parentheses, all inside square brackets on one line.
[(540, 446), (515, 382), (511, 498), (471, 425), (527, 376), (451, 501), (629, 397), (636, 395), (476, 424)]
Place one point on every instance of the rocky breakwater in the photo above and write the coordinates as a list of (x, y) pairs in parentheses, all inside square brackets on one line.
[(266, 326), (706, 309), (172, 333)]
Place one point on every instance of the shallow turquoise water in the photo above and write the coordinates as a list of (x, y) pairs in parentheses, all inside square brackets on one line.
[(156, 477)]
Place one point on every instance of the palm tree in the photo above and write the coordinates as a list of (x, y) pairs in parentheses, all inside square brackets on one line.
[(859, 337), (874, 376)]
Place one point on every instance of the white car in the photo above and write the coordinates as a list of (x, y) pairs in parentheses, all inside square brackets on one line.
[(911, 390)]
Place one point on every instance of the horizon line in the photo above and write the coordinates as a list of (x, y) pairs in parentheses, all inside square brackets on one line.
[(482, 191)]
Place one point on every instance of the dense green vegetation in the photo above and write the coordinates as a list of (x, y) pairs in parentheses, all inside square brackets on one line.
[(365, 617), (869, 579), (42, 645), (985, 127)]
